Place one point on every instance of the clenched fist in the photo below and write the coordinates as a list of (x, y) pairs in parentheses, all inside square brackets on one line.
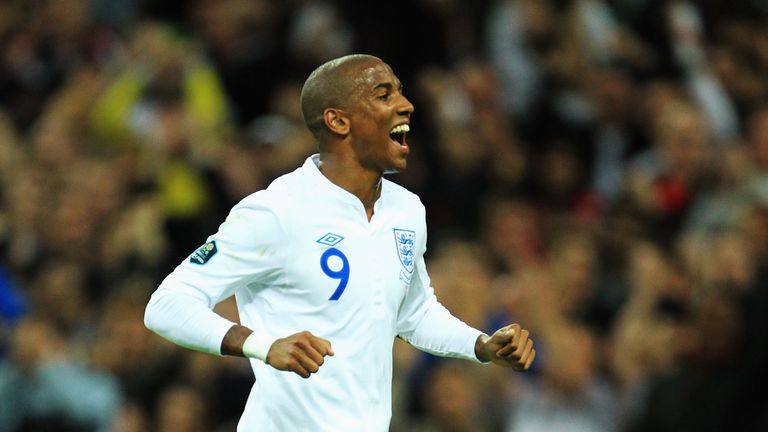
[(302, 353), (509, 346)]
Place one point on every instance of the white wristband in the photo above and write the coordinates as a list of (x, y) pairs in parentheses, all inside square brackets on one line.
[(257, 345)]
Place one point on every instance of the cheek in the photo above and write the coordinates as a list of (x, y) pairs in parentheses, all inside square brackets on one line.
[(369, 150), (372, 136)]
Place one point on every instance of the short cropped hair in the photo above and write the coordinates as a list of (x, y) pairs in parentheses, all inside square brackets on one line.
[(329, 86)]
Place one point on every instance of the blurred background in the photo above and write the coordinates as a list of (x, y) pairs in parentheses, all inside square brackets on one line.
[(594, 169)]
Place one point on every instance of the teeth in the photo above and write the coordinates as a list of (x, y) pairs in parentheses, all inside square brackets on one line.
[(403, 128)]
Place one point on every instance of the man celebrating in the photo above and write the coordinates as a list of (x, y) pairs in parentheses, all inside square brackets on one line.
[(327, 266)]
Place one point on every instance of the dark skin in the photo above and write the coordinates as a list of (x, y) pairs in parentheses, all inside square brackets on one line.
[(351, 107)]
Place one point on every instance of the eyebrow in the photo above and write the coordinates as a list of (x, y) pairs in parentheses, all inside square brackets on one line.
[(388, 86)]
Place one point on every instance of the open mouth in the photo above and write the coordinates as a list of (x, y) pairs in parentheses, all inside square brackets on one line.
[(398, 133)]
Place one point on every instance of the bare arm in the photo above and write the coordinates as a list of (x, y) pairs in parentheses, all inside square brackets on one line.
[(232, 344)]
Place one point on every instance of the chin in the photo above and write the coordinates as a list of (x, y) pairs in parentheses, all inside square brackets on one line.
[(396, 169)]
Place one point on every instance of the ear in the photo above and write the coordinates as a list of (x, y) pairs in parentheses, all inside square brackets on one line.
[(336, 121)]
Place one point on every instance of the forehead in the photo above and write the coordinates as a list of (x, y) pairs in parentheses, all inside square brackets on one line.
[(372, 75)]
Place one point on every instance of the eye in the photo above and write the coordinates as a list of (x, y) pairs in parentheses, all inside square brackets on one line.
[(384, 96)]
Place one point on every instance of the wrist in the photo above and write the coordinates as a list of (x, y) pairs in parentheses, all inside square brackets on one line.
[(257, 346), (480, 348)]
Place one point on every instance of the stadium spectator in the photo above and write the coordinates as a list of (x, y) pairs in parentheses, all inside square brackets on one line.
[(534, 117)]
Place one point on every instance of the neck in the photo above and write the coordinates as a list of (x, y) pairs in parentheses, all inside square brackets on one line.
[(350, 176)]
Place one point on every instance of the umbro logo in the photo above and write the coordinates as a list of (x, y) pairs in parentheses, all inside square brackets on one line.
[(330, 239)]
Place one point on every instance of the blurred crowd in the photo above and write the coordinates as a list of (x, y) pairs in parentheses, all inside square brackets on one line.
[(596, 170)]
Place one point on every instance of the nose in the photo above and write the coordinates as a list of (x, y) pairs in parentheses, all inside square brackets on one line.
[(405, 107)]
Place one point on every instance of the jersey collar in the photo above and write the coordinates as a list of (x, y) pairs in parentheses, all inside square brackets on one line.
[(333, 191)]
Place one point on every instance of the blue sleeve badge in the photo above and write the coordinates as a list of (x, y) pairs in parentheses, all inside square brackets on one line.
[(203, 253)]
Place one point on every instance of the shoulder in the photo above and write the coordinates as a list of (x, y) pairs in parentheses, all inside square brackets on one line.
[(400, 194), (272, 209), (280, 193)]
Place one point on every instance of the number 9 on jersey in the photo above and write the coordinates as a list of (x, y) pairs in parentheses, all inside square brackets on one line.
[(341, 274)]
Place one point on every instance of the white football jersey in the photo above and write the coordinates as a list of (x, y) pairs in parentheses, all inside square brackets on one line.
[(302, 255)]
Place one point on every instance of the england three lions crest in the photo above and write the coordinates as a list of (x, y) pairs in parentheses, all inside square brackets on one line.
[(404, 241)]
